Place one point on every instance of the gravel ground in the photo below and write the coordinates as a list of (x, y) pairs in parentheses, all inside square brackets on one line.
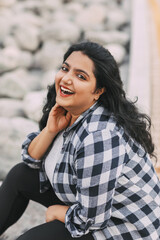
[(33, 216)]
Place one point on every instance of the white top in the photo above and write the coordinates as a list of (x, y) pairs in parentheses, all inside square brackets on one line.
[(53, 156)]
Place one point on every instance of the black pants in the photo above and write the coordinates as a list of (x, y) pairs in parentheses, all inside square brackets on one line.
[(20, 186)]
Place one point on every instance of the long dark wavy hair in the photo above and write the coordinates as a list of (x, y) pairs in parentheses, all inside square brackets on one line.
[(106, 71)]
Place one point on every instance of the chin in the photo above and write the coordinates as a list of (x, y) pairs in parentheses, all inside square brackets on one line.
[(61, 103), (58, 101)]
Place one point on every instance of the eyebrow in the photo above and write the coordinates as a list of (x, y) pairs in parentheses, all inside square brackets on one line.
[(79, 70)]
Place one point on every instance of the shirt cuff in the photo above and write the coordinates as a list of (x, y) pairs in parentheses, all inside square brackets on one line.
[(31, 162), (75, 225)]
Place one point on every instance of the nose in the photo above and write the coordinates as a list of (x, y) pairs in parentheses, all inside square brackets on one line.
[(67, 78)]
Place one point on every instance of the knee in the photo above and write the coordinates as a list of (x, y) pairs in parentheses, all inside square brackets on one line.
[(31, 234), (24, 236)]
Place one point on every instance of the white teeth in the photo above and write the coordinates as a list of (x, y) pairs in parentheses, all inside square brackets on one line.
[(66, 90)]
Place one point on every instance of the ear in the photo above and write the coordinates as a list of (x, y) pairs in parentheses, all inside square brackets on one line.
[(99, 92)]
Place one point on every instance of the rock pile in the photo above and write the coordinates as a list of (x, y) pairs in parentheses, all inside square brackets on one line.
[(34, 36)]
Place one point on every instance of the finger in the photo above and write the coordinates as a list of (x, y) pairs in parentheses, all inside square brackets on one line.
[(47, 216), (68, 116), (56, 105), (47, 220), (57, 109)]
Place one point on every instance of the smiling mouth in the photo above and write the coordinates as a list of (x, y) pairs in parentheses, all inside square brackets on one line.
[(66, 91)]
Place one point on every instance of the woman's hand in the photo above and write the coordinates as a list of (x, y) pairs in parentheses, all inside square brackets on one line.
[(56, 212), (58, 119)]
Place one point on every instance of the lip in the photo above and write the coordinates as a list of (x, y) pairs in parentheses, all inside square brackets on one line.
[(66, 88), (62, 94)]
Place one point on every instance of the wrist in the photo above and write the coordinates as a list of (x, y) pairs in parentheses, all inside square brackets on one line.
[(50, 133), (56, 212)]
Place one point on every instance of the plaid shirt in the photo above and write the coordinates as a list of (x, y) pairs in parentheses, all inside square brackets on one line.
[(106, 178)]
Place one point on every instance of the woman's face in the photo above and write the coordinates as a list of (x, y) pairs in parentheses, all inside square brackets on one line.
[(75, 84)]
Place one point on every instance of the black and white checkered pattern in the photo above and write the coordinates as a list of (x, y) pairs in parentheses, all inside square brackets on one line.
[(106, 178)]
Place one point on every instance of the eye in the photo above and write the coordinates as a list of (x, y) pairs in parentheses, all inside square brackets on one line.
[(81, 76), (64, 69)]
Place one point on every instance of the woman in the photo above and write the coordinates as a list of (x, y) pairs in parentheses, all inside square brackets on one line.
[(92, 153)]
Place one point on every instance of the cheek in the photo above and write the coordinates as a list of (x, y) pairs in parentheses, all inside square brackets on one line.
[(57, 80), (58, 76)]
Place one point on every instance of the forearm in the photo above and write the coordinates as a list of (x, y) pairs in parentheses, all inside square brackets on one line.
[(57, 121), (41, 143)]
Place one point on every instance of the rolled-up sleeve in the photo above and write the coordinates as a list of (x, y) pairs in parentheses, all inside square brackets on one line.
[(99, 163), (26, 158)]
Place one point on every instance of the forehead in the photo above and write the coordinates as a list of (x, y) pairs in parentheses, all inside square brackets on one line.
[(79, 60)]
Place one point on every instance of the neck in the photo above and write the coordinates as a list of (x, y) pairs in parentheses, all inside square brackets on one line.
[(73, 119)]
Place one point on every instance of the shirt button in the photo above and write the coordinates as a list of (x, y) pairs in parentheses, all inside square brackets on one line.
[(141, 153), (117, 128), (65, 134)]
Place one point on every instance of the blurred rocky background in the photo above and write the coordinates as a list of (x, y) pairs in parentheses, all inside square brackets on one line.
[(33, 38)]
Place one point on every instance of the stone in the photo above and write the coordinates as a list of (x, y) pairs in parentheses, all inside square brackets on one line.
[(51, 5), (124, 73), (92, 17), (29, 39), (61, 15), (104, 37), (50, 56), (5, 24), (16, 84), (61, 31), (25, 59), (48, 78), (33, 104), (11, 108), (24, 18), (73, 8), (7, 3), (29, 6), (38, 7), (117, 51), (11, 57), (127, 8), (10, 41), (115, 19), (13, 133), (103, 2)]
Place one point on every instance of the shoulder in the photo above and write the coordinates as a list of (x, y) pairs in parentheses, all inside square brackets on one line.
[(100, 119), (99, 123)]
